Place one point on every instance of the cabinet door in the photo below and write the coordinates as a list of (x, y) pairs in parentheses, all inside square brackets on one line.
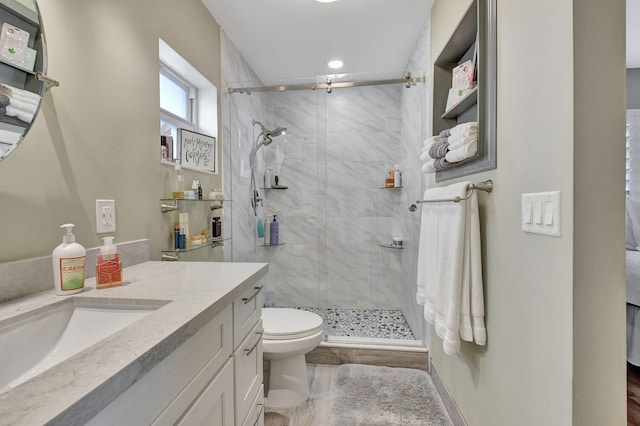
[(214, 406), (248, 372)]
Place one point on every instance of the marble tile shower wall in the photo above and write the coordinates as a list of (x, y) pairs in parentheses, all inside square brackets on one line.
[(238, 111)]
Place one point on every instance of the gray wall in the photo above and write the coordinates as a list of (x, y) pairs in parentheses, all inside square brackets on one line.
[(554, 305), (633, 88), (97, 134)]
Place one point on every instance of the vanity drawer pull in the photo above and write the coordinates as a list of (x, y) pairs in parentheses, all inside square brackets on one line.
[(251, 349), (253, 296), (259, 413)]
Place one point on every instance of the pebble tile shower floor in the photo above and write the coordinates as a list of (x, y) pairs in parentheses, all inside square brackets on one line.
[(373, 323)]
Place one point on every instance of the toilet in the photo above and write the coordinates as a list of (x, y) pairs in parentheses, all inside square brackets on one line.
[(288, 335)]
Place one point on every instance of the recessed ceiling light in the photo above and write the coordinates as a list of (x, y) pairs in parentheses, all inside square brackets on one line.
[(326, 1), (335, 64)]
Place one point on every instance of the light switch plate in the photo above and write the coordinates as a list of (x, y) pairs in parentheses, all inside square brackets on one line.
[(546, 213), (105, 216)]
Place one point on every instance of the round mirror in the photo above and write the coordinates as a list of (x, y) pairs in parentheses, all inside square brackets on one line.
[(22, 70)]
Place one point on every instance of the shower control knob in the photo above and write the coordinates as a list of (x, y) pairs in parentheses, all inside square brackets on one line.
[(413, 207)]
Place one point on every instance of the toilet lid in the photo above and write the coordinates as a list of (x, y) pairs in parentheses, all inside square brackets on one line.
[(285, 323)]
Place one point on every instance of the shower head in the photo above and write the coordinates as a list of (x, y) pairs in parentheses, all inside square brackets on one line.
[(277, 132), (267, 134)]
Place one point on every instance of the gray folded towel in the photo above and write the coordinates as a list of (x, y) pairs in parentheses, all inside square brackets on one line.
[(439, 150), (445, 133), (441, 164)]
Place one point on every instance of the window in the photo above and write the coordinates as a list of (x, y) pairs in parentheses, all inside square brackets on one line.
[(189, 101), (177, 103)]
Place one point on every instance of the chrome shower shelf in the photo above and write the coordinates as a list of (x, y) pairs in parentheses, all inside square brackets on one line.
[(272, 245), (389, 246)]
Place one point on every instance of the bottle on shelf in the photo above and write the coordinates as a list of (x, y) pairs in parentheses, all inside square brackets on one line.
[(267, 178), (178, 185), (176, 237), (397, 176), (273, 237), (388, 182), (267, 231)]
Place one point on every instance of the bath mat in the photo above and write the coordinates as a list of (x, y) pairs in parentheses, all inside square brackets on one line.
[(371, 395)]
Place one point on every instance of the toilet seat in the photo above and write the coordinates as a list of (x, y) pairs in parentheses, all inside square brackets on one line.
[(286, 323)]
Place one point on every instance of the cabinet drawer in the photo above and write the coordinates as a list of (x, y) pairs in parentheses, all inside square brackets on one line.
[(247, 367), (256, 413), (214, 406), (247, 309)]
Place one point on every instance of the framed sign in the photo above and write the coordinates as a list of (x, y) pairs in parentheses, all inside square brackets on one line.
[(198, 151)]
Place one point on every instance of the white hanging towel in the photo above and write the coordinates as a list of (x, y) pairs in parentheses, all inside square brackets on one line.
[(450, 267)]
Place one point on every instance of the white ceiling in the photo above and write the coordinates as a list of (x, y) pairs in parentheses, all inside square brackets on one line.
[(291, 41)]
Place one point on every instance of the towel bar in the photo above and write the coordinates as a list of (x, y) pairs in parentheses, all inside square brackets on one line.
[(486, 186)]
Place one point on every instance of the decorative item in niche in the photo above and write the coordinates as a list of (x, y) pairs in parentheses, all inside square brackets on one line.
[(198, 151)]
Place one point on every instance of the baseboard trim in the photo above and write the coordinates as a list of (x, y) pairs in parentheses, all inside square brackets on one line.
[(449, 403)]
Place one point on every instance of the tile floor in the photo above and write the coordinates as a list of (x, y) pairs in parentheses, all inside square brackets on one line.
[(372, 323)]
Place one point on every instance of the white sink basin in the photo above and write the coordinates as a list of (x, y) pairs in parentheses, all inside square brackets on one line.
[(36, 341)]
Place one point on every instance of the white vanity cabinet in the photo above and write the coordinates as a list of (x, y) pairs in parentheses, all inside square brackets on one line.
[(213, 378), (247, 357)]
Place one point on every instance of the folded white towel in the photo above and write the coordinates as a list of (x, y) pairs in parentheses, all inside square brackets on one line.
[(431, 140), (457, 142), (20, 92), (449, 278), (465, 127), (18, 113), (23, 106), (462, 152), (425, 156), (427, 167)]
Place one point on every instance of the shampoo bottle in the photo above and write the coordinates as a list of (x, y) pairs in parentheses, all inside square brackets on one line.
[(108, 265), (69, 260), (267, 231), (273, 237)]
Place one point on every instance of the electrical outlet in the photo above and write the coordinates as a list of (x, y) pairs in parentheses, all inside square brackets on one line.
[(105, 216)]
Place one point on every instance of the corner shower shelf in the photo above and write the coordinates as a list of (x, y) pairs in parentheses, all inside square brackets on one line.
[(272, 245), (390, 187), (275, 187), (389, 246)]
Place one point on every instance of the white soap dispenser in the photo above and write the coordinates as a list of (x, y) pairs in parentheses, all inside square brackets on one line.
[(69, 260)]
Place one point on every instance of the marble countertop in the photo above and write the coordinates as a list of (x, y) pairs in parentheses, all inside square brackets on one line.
[(75, 390)]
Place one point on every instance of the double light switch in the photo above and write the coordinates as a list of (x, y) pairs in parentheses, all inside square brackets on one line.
[(541, 213)]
